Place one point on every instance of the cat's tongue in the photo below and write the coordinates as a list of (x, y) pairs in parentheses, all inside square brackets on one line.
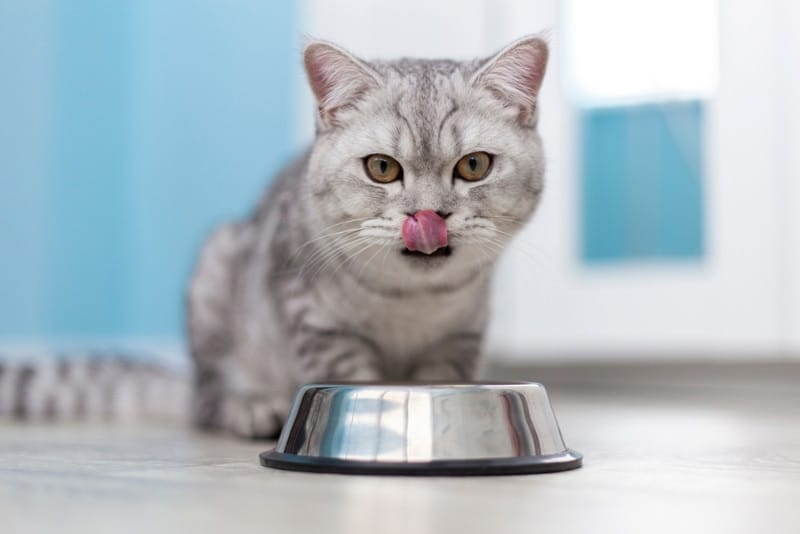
[(425, 232)]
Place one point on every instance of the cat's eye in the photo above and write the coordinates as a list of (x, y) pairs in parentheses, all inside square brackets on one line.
[(474, 166), (383, 168)]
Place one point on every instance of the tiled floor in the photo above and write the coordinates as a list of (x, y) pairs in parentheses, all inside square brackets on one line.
[(656, 460)]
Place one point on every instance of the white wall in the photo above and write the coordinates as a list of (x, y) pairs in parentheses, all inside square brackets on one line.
[(738, 302), (741, 301), (788, 17)]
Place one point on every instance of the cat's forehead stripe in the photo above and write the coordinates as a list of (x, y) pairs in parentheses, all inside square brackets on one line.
[(424, 108), (447, 116)]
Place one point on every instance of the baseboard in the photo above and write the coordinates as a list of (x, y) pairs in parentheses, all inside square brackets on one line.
[(767, 375)]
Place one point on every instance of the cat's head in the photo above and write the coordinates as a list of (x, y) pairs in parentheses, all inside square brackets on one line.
[(423, 169)]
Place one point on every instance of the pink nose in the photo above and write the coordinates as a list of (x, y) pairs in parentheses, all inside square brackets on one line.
[(425, 231)]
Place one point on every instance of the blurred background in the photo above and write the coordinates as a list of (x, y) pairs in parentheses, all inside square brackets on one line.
[(670, 228)]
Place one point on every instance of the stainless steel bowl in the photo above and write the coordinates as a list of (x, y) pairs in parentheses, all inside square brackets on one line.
[(414, 429)]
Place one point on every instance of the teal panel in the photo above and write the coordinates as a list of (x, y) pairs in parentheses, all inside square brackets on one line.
[(128, 130), (26, 60), (641, 182)]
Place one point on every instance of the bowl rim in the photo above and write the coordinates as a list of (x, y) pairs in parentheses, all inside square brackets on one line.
[(514, 465), (508, 384)]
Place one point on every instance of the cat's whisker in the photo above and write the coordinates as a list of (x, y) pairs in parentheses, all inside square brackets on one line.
[(351, 258), (334, 240), (318, 237), (330, 259), (488, 256), (513, 246), (343, 251), (321, 251), (333, 254), (322, 235), (486, 260), (352, 231), (326, 236), (514, 243), (388, 248), (505, 218), (490, 245), (380, 247), (321, 256)]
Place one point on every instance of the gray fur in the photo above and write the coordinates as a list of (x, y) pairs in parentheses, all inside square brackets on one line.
[(89, 386), (314, 286)]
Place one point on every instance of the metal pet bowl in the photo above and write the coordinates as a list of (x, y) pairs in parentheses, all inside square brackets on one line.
[(422, 429)]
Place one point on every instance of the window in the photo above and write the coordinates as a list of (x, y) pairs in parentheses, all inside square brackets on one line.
[(640, 87)]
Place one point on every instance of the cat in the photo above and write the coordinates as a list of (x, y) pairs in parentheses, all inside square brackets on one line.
[(369, 258)]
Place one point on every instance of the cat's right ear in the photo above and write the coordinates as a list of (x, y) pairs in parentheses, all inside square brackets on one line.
[(337, 78), (514, 75)]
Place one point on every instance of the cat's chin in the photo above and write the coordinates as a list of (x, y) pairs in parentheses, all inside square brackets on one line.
[(443, 252), (438, 259), (446, 261), (449, 260)]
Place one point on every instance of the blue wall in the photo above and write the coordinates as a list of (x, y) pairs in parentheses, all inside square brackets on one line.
[(129, 129), (26, 103), (642, 182)]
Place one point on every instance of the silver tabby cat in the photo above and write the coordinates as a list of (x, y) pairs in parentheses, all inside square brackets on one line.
[(370, 256)]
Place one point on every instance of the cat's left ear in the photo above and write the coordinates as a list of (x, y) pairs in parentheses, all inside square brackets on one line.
[(514, 75), (337, 78)]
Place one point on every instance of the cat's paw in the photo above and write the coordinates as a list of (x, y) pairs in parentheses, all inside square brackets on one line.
[(354, 372), (254, 417), (439, 372), (362, 374)]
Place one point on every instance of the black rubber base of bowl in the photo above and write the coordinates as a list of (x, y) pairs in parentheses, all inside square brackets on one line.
[(484, 467)]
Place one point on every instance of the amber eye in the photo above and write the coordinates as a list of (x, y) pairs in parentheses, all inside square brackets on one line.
[(383, 168), (473, 166)]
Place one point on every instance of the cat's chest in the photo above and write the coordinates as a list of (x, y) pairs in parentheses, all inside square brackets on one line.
[(404, 326), (407, 327)]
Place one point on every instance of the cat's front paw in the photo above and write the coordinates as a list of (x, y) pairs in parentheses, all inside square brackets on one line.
[(440, 372), (254, 416), (361, 374)]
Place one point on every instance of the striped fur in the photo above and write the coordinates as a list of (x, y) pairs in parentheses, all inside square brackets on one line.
[(316, 284), (97, 385)]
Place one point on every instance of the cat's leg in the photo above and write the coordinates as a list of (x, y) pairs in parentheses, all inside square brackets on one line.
[(251, 405), (219, 402), (248, 409), (255, 414), (237, 395), (322, 346), (335, 354), (454, 358)]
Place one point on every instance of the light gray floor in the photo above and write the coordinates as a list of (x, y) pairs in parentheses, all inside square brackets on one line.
[(657, 459)]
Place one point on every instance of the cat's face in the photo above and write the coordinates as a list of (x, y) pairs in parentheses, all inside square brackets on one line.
[(423, 170)]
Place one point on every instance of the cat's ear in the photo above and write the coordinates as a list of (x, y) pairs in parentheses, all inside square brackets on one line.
[(514, 75), (337, 78)]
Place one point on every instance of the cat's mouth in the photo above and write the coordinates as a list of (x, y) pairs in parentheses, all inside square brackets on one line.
[(438, 253)]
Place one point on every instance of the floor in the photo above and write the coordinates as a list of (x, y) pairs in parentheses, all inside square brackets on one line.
[(658, 458)]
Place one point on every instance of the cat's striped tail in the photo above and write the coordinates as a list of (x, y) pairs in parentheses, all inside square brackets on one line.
[(92, 386)]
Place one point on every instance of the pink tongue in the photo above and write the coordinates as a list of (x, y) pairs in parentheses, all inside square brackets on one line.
[(425, 231)]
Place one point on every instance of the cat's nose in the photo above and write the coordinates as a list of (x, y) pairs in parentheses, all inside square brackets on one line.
[(442, 214)]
